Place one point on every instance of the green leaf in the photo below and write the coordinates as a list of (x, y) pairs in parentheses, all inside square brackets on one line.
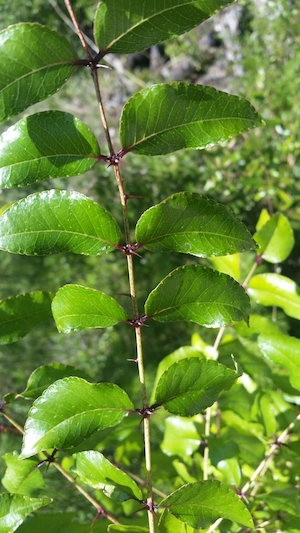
[(126, 529), (14, 508), (30, 73), (275, 289), (46, 145), (61, 523), (191, 385), (45, 375), (200, 295), (20, 314), (276, 239), (200, 504), (128, 28), (84, 408), (22, 477), (172, 116), (96, 471), (75, 308), (287, 499), (283, 350), (53, 222), (169, 524), (181, 436), (193, 224)]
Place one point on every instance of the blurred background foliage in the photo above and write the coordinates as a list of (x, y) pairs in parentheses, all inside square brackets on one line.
[(257, 58)]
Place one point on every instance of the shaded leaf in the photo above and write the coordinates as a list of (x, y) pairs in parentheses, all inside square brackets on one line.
[(275, 289), (287, 499), (53, 222), (276, 239), (191, 385), (60, 523), (200, 504), (96, 471), (14, 508), (84, 408), (30, 73), (142, 23), (200, 295), (193, 224), (75, 307), (46, 145), (20, 314), (22, 477), (45, 375), (172, 116), (283, 350)]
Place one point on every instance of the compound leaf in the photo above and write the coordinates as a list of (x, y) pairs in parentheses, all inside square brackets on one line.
[(198, 294), (84, 408), (172, 116), (30, 72), (53, 221), (191, 385), (139, 24), (46, 145), (193, 224), (200, 504), (75, 307), (20, 314)]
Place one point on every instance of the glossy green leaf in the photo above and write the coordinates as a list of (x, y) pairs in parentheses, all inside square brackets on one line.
[(20, 314), (275, 289), (287, 499), (191, 385), (283, 350), (53, 221), (169, 524), (138, 25), (84, 408), (22, 477), (200, 295), (30, 73), (45, 375), (172, 116), (200, 504), (75, 307), (181, 436), (46, 145), (96, 471), (192, 224), (276, 239), (14, 508)]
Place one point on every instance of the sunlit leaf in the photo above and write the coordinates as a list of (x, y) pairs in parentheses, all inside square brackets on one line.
[(14, 508), (30, 73), (172, 116), (193, 224), (75, 307), (200, 504), (22, 477), (283, 350), (200, 295), (169, 524), (46, 145), (84, 408), (128, 28), (45, 375), (53, 221), (191, 385), (20, 314), (96, 471), (276, 239), (126, 529), (275, 289), (181, 436)]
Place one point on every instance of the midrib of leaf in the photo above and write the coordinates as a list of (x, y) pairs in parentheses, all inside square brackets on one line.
[(185, 125), (160, 13), (49, 156), (75, 233), (33, 72), (196, 232)]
